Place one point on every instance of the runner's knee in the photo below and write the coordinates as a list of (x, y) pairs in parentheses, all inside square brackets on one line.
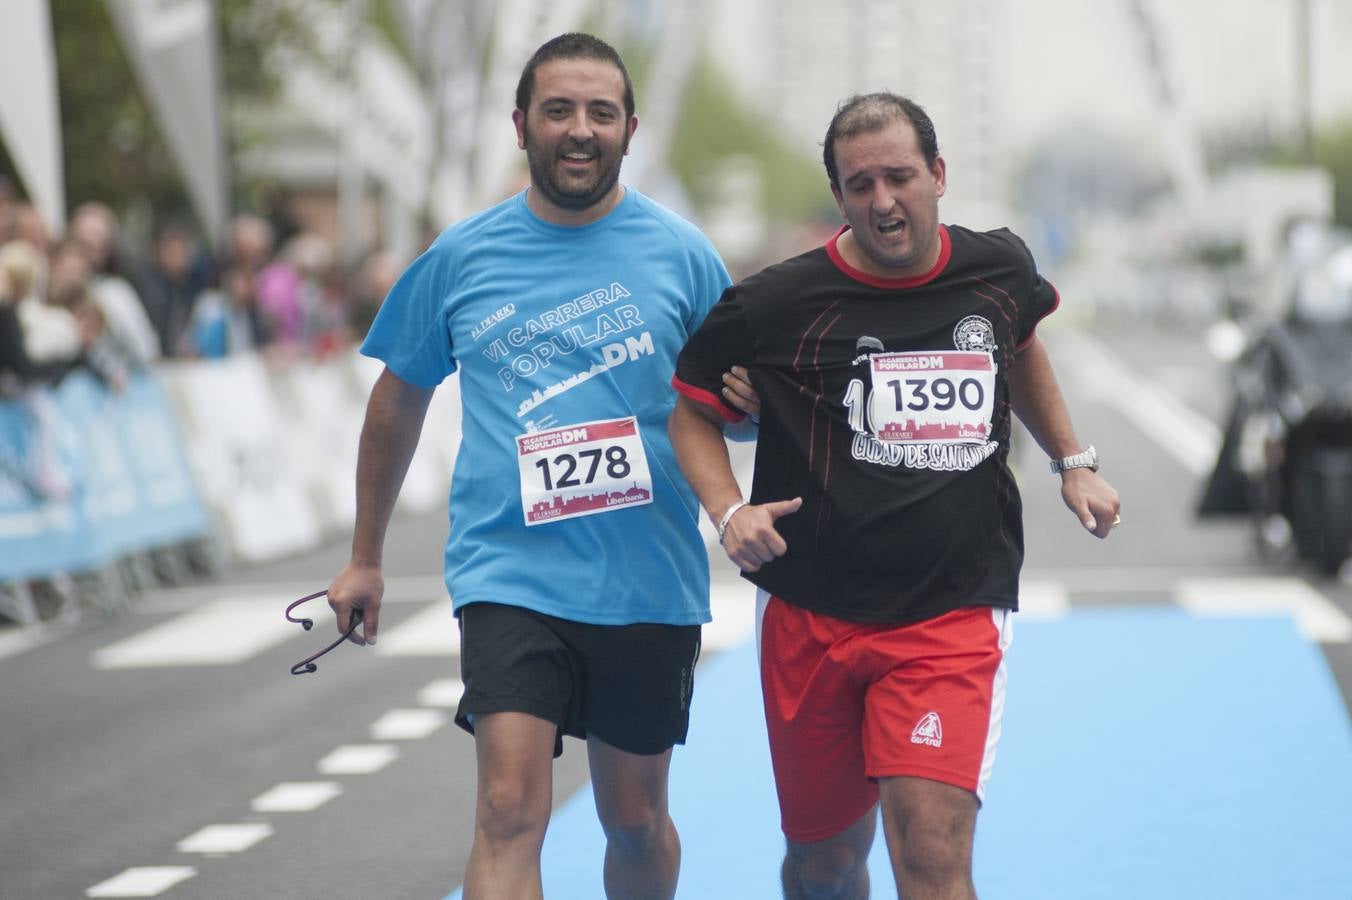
[(509, 810), (637, 833), (823, 872), (935, 853)]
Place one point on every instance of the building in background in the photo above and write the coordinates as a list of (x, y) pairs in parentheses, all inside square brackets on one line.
[(795, 60)]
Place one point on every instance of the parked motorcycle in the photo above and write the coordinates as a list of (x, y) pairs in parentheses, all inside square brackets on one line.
[(1286, 458)]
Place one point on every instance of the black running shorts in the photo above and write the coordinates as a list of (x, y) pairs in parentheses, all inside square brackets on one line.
[(628, 685)]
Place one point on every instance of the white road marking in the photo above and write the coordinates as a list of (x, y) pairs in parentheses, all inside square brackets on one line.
[(358, 759), (142, 881), (220, 633), (1043, 600), (1111, 579), (225, 838), (407, 724), (296, 796), (404, 589), (1315, 615), (17, 640), (1188, 436), (432, 632), (444, 692)]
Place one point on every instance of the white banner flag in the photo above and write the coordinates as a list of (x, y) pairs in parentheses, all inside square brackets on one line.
[(173, 51), (521, 26), (30, 123)]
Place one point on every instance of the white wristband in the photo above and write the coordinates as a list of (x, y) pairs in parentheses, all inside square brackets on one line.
[(727, 517)]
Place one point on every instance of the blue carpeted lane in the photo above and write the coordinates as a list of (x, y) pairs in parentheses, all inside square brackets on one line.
[(1146, 753)]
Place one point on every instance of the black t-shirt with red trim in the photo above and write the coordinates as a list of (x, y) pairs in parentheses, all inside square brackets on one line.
[(884, 405)]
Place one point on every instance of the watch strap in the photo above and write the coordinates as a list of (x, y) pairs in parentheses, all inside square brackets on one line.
[(1085, 459)]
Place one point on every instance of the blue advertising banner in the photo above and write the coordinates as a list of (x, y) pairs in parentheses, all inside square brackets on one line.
[(109, 497), (42, 530), (171, 508), (137, 491)]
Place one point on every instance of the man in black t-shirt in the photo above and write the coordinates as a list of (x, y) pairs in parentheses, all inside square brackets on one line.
[(884, 527)]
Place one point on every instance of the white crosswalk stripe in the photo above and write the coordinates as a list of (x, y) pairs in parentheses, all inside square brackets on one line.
[(1043, 600), (223, 632), (407, 724), (142, 881), (296, 796), (444, 692), (19, 640), (225, 838), (432, 632), (229, 631), (358, 759), (1316, 617)]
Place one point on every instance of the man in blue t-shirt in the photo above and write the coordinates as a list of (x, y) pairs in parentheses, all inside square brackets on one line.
[(574, 559)]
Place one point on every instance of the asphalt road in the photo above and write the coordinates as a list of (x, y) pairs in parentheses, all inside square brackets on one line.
[(123, 742)]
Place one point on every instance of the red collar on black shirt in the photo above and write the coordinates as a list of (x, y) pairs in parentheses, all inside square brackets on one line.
[(945, 251)]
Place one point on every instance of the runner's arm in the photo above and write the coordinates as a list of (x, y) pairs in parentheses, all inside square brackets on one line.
[(1036, 399), (394, 419), (750, 538)]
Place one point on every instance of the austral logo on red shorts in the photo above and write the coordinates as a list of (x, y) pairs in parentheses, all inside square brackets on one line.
[(928, 731)]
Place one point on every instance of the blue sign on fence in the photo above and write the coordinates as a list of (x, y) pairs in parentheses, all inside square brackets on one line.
[(172, 511), (88, 474), (41, 528)]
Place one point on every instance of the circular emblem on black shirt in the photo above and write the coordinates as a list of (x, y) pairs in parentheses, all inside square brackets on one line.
[(974, 333)]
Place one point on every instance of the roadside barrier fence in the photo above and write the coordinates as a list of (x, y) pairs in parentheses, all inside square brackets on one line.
[(192, 467)]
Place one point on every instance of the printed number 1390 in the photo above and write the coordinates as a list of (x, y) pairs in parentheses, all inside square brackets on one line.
[(562, 470), (945, 395)]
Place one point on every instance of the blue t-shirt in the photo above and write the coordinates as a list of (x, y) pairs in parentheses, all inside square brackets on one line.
[(565, 339)]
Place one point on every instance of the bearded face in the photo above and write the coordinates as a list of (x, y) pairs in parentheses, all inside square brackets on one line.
[(575, 133)]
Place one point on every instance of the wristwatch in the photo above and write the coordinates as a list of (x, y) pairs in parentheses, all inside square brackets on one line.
[(1086, 459)]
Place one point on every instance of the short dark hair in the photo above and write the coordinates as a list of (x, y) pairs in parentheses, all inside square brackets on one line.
[(867, 113), (573, 45)]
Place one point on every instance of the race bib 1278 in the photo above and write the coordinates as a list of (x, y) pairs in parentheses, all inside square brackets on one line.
[(582, 470)]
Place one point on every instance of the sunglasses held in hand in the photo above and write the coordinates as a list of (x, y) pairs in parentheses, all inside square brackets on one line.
[(307, 665)]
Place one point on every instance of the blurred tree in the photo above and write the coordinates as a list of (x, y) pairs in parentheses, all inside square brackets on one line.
[(385, 21), (113, 150), (1332, 151), (715, 126)]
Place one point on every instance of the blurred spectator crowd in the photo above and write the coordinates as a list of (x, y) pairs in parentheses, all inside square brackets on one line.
[(85, 299)]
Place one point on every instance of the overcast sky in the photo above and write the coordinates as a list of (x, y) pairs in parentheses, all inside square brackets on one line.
[(1234, 61)]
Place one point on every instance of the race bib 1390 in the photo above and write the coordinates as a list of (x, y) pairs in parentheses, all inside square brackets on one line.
[(943, 397)]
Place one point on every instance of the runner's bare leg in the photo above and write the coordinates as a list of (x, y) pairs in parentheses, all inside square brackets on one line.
[(516, 777), (833, 869), (643, 850), (930, 828)]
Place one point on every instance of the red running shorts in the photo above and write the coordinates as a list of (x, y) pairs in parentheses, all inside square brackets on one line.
[(847, 703)]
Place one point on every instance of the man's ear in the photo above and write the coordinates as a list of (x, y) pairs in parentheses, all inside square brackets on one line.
[(519, 120), (630, 127)]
